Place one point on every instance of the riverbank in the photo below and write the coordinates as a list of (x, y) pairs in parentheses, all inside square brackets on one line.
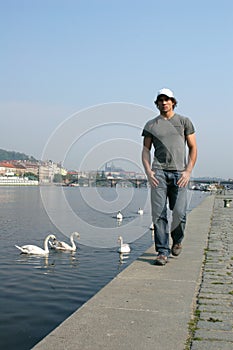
[(145, 306)]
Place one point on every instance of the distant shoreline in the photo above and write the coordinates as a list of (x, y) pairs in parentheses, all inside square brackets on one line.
[(17, 181)]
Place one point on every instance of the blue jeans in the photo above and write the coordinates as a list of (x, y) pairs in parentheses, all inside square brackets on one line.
[(168, 193)]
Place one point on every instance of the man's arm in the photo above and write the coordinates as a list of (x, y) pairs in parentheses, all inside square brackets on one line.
[(192, 157), (146, 161)]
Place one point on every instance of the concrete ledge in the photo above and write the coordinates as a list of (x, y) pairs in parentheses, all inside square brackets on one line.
[(146, 306)]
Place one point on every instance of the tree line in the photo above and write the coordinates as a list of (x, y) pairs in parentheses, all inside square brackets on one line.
[(13, 155)]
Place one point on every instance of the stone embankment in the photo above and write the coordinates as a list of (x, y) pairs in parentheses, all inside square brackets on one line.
[(214, 313)]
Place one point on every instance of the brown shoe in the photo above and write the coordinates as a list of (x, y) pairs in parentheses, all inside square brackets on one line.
[(176, 249), (161, 260)]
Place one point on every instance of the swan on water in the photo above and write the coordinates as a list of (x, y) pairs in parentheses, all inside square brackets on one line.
[(124, 247), (152, 226), (59, 245), (34, 250), (140, 211), (119, 216)]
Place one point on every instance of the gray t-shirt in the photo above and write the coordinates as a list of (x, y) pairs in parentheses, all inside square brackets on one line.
[(169, 141)]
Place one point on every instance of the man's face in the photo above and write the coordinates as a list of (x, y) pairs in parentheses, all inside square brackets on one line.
[(165, 104)]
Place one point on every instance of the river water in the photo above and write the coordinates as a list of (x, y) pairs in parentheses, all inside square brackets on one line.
[(38, 293)]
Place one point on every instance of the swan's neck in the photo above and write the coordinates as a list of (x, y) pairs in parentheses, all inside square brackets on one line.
[(72, 241), (46, 247)]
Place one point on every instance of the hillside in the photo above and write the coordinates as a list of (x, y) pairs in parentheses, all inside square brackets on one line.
[(12, 155)]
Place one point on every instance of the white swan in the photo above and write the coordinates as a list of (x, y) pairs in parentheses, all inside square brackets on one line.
[(34, 250), (152, 226), (119, 216), (140, 211), (59, 245), (124, 247)]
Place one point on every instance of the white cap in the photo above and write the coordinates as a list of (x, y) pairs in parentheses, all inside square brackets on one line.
[(166, 92)]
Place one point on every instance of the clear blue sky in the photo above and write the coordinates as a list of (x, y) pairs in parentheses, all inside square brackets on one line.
[(60, 57)]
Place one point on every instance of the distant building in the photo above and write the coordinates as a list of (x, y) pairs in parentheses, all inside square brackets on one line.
[(30, 167), (9, 169), (47, 171)]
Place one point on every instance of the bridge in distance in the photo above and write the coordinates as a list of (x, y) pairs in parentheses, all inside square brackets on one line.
[(138, 183)]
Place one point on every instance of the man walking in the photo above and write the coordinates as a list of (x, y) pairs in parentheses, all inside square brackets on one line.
[(169, 173)]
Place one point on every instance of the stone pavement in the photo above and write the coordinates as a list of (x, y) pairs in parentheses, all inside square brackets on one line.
[(214, 326), (148, 307)]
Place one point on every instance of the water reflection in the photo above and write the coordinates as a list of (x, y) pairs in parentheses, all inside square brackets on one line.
[(6, 195), (48, 263), (72, 256), (119, 222), (123, 258), (37, 262), (73, 259)]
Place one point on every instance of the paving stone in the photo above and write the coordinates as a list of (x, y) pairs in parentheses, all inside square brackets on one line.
[(217, 296), (215, 299), (222, 316), (211, 345), (218, 288), (214, 335), (220, 302), (215, 308), (213, 323)]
